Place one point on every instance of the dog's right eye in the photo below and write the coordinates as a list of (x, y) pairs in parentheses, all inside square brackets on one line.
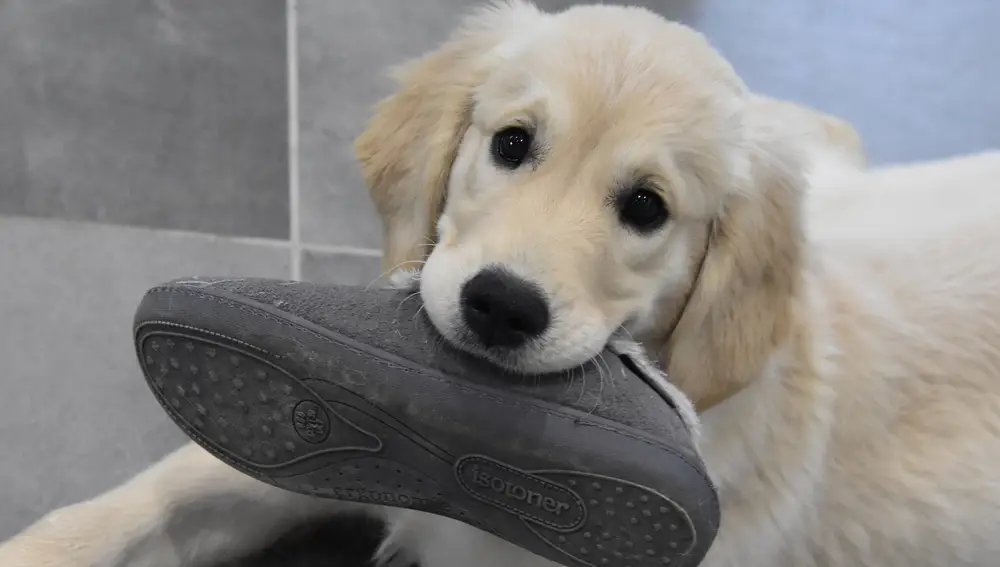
[(511, 147), (642, 210)]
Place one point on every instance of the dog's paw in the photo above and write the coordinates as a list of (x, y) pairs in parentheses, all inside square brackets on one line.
[(25, 550)]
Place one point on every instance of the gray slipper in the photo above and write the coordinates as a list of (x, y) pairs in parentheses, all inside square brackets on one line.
[(350, 394)]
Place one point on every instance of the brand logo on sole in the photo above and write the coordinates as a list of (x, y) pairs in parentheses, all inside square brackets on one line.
[(311, 422), (527, 495)]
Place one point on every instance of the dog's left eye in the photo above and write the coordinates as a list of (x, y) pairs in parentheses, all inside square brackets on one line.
[(511, 146), (642, 210)]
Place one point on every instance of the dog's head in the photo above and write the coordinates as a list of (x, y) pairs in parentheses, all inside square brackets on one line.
[(568, 174)]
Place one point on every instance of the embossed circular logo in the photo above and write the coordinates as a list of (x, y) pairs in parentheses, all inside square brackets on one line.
[(311, 422)]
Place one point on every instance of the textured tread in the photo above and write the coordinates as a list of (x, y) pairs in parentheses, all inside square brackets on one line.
[(244, 405), (234, 400)]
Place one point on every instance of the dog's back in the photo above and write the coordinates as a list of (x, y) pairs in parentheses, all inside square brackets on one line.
[(908, 261)]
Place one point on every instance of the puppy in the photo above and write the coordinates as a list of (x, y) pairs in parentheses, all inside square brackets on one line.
[(838, 329)]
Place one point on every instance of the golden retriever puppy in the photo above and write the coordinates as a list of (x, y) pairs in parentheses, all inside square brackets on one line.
[(837, 328), (842, 347)]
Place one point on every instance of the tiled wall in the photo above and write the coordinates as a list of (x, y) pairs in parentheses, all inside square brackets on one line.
[(174, 113), (168, 114), (146, 139)]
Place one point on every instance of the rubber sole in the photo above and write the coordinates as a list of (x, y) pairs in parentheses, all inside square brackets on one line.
[(310, 436)]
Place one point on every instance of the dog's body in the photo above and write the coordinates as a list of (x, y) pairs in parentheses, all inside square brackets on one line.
[(838, 328)]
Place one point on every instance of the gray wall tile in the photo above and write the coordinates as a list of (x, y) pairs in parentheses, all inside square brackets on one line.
[(919, 78), (76, 417), (340, 268), (345, 49), (13, 166), (169, 113)]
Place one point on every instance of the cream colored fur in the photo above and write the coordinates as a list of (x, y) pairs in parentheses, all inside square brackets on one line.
[(838, 328)]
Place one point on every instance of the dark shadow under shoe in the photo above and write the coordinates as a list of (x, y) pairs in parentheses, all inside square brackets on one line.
[(352, 395)]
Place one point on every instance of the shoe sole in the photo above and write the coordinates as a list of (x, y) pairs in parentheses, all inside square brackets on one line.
[(270, 418)]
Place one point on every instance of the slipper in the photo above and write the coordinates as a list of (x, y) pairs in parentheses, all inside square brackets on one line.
[(351, 394)]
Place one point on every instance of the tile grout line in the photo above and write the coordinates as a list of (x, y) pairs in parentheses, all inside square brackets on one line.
[(261, 241), (346, 250), (294, 201)]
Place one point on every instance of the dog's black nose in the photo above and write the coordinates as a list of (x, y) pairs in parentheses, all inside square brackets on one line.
[(502, 309)]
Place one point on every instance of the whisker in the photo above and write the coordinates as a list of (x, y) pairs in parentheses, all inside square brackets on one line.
[(613, 382), (583, 385), (405, 299), (625, 330), (570, 379), (438, 343), (600, 376), (408, 297), (417, 314)]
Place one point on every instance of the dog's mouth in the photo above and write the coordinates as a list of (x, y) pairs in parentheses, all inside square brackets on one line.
[(521, 360), (619, 344), (509, 321)]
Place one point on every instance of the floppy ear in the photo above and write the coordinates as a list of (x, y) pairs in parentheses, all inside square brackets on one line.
[(410, 144), (818, 130), (741, 309)]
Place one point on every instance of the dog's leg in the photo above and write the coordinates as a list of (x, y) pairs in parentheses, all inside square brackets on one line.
[(188, 510)]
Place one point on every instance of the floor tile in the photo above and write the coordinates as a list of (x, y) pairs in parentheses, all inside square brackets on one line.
[(345, 49), (167, 114), (76, 417), (341, 268)]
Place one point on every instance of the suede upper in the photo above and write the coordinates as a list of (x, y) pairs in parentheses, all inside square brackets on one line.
[(391, 320)]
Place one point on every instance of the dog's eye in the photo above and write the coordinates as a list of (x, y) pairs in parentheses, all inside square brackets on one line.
[(642, 210), (511, 146)]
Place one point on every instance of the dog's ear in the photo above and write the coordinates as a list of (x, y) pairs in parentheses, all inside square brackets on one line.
[(741, 308), (823, 133), (410, 144)]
